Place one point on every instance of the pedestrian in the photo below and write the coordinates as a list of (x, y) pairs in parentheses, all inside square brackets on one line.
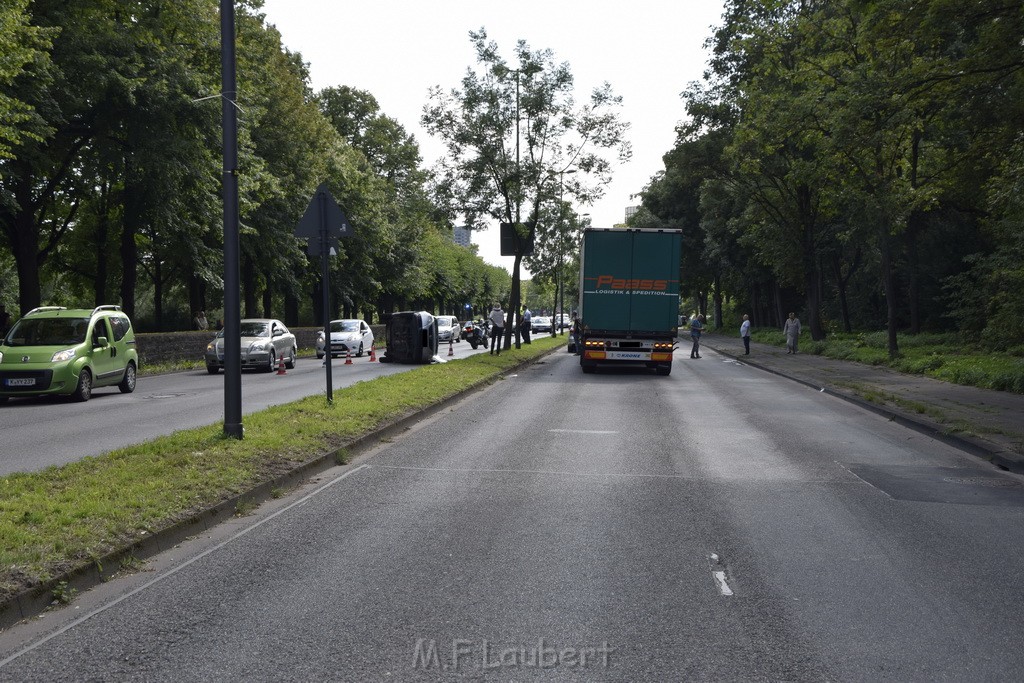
[(497, 319), (696, 327), (5, 321), (527, 326), (220, 324), (745, 334), (792, 331), (199, 322)]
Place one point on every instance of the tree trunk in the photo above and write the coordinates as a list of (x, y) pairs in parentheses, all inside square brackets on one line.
[(291, 310), (513, 307), (889, 283), (780, 313), (249, 286), (22, 232), (268, 303), (915, 224), (158, 294), (102, 245), (129, 251)]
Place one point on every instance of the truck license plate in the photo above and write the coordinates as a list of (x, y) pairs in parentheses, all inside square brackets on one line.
[(22, 382)]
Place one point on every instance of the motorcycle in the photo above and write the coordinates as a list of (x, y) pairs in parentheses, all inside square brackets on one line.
[(475, 333)]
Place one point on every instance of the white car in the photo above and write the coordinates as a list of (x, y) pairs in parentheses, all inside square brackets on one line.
[(347, 336)]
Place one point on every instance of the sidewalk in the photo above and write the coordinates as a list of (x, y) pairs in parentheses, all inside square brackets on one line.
[(986, 423)]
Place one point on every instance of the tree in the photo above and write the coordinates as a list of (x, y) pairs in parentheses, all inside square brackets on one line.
[(487, 176), (20, 44)]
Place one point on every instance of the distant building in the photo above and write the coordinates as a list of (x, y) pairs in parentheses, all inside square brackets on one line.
[(461, 235), (631, 211)]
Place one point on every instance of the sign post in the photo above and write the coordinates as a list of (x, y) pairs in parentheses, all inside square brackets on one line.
[(323, 224)]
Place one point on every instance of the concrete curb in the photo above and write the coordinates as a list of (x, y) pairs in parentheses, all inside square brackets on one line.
[(970, 444), (34, 601)]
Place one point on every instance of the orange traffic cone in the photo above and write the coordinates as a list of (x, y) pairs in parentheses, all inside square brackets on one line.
[(348, 357), (373, 354), (280, 366), (451, 350)]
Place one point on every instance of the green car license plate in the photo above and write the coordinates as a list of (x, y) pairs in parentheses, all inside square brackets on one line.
[(21, 382)]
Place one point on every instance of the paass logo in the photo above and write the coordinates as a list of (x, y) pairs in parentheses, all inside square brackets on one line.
[(611, 282)]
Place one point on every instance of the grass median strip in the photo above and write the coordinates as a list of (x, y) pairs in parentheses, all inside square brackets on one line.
[(63, 517)]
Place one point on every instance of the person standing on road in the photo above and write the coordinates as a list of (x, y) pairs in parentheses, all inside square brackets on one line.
[(696, 327), (792, 331), (497, 319), (527, 324), (745, 334)]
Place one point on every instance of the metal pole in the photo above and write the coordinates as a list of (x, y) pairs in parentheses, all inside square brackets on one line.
[(514, 313), (325, 285), (232, 299)]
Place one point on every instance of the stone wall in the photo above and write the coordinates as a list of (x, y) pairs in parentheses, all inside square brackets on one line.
[(170, 347)]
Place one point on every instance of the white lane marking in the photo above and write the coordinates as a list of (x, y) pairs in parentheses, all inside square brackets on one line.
[(175, 570), (581, 431), (723, 585), (719, 576)]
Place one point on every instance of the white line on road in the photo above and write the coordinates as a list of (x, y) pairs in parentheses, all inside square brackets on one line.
[(719, 575), (175, 570), (580, 431), (723, 585)]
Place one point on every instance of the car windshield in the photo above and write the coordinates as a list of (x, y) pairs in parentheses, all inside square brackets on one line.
[(345, 326), (251, 329), (48, 332), (445, 321)]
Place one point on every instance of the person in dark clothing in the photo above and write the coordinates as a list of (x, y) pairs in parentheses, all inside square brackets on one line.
[(696, 327)]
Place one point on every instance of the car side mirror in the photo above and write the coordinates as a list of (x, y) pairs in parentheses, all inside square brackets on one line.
[(278, 333), (102, 343)]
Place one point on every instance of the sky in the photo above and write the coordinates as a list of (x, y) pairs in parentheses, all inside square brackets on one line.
[(648, 50)]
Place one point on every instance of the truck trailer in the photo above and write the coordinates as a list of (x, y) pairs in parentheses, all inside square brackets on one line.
[(629, 297)]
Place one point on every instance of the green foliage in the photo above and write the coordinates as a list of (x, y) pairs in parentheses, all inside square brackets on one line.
[(20, 44), (843, 153)]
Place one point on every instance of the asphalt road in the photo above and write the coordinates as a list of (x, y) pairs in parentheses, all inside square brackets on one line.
[(38, 432), (717, 524)]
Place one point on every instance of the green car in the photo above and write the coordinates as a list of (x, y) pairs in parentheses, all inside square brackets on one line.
[(57, 350)]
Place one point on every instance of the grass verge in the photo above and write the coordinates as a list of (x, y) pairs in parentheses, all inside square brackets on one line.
[(942, 356), (63, 517)]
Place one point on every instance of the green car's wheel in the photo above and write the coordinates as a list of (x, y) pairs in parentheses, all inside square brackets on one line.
[(127, 384), (84, 389)]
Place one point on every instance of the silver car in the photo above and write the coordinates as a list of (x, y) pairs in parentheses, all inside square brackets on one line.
[(264, 342), (448, 329), (347, 336)]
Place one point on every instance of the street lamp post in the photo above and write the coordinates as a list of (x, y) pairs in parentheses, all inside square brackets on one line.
[(556, 319)]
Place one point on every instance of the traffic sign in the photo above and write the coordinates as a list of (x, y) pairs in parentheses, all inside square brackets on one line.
[(323, 213)]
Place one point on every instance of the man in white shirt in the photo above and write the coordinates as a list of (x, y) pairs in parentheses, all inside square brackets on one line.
[(745, 334), (527, 326)]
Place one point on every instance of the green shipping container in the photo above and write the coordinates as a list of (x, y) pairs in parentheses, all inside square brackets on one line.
[(629, 281)]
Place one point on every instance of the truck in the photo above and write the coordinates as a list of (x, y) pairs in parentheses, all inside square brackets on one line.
[(629, 297)]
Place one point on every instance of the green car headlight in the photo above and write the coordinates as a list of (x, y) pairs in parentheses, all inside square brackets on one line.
[(66, 354)]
